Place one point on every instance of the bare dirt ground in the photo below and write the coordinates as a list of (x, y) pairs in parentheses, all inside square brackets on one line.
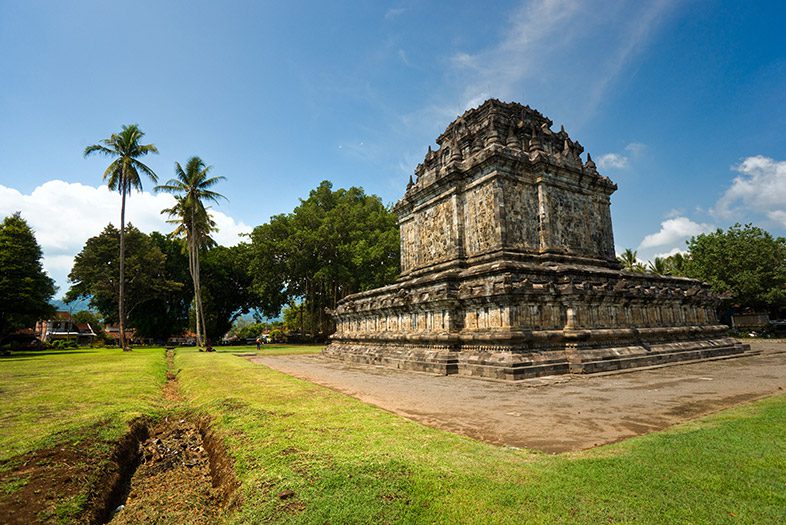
[(558, 413)]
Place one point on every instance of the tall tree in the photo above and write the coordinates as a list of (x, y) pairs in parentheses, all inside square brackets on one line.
[(744, 262), (191, 188), (94, 274), (227, 288), (630, 262), (333, 244), (168, 314), (24, 286), (122, 175)]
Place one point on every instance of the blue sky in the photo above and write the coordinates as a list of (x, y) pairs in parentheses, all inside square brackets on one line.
[(682, 104)]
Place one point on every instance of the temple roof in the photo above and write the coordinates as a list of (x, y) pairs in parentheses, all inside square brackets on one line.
[(512, 128)]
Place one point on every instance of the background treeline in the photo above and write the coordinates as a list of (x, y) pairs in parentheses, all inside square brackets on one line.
[(159, 295), (333, 244), (745, 265)]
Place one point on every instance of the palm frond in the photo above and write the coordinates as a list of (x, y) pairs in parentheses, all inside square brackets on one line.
[(171, 186), (180, 174), (145, 169), (147, 149), (212, 196), (123, 173), (112, 174), (98, 148), (209, 183)]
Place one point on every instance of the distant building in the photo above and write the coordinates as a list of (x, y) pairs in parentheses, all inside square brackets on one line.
[(187, 338), (62, 327), (112, 333)]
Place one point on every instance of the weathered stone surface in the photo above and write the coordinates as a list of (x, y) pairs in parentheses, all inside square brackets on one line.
[(509, 271)]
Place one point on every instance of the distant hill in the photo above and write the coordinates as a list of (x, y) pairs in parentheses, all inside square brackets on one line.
[(75, 306)]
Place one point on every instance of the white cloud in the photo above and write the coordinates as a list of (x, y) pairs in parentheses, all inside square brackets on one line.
[(395, 12), (403, 56), (673, 251), (619, 160), (778, 216), (674, 230), (760, 188), (635, 148), (230, 232), (613, 161), (64, 215)]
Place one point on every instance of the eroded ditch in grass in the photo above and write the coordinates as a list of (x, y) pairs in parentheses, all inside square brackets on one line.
[(174, 469), (171, 468), (179, 472)]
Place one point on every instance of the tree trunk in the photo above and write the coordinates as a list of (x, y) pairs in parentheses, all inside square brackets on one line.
[(195, 281), (199, 297), (121, 314)]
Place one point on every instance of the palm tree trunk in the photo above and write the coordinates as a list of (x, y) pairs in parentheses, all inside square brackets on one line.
[(199, 296), (121, 291), (195, 281)]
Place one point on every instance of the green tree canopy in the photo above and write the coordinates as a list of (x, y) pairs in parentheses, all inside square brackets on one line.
[(94, 275), (297, 318), (168, 315), (675, 264), (333, 244), (226, 288), (25, 288), (744, 262)]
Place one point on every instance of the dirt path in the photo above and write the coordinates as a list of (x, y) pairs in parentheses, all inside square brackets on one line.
[(559, 413)]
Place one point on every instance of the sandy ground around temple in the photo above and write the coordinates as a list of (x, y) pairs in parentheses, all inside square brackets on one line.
[(558, 413)]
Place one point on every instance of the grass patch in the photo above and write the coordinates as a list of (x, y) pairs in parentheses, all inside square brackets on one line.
[(69, 509), (60, 415), (53, 396), (307, 454), (271, 349), (12, 485)]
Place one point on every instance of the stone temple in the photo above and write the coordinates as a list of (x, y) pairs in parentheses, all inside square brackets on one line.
[(508, 268)]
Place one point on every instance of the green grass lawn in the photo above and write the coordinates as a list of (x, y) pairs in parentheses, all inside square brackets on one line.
[(271, 349), (349, 462), (45, 396)]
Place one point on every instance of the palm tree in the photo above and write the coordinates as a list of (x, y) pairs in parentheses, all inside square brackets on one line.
[(629, 260), (122, 175), (659, 266), (677, 263), (191, 188), (196, 228)]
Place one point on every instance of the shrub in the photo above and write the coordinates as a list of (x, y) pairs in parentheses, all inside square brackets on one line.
[(277, 336)]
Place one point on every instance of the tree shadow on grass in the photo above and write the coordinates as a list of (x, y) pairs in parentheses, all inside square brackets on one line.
[(17, 355)]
